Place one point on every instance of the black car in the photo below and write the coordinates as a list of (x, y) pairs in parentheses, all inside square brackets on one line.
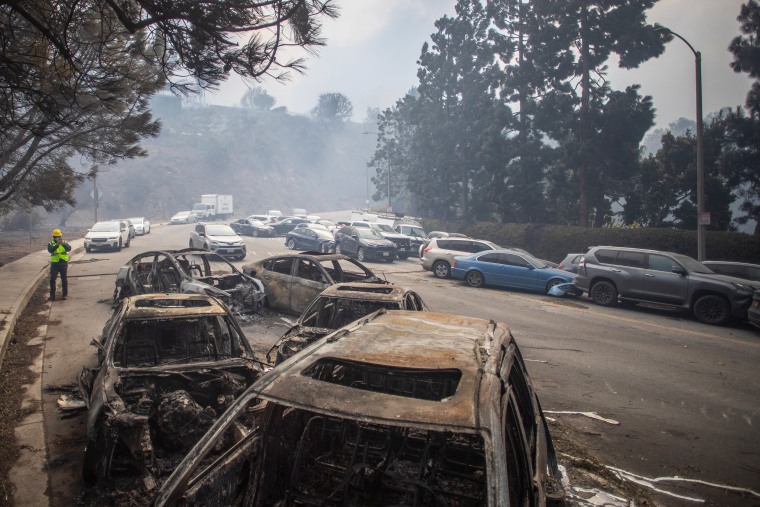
[(315, 239), (364, 244), (286, 225), (168, 366), (255, 228)]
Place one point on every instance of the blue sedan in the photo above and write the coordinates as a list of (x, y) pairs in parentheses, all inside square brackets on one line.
[(508, 268), (315, 240)]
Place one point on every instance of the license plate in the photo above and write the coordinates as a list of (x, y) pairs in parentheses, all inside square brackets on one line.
[(402, 249), (386, 254)]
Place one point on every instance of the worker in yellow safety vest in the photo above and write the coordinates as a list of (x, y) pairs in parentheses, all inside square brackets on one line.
[(59, 263)]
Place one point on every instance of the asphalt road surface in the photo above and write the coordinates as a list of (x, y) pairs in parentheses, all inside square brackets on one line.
[(685, 396)]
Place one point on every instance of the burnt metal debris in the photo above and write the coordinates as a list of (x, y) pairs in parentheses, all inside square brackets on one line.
[(408, 407), (189, 271), (338, 306), (169, 365)]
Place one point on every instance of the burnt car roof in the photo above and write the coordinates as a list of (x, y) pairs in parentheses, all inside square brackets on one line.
[(408, 344), (364, 291), (169, 305), (312, 255)]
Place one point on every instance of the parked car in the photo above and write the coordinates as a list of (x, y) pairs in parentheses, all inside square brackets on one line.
[(364, 244), (142, 225), (735, 269), (570, 262), (292, 281), (113, 234), (329, 224), (508, 268), (130, 226), (753, 314), (261, 218), (250, 227), (415, 233), (438, 234), (168, 365), (188, 271), (183, 217), (286, 225), (363, 418), (403, 243), (314, 238), (337, 306), (439, 255), (218, 238), (609, 274)]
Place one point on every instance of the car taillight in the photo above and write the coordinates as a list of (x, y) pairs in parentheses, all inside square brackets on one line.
[(561, 266), (427, 249), (454, 263)]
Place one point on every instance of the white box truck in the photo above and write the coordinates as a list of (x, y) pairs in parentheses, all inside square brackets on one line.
[(213, 207)]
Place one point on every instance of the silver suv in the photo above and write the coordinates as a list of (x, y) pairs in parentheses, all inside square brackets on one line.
[(439, 254), (610, 273)]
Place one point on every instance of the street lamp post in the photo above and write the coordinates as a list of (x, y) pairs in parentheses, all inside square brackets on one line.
[(702, 217)]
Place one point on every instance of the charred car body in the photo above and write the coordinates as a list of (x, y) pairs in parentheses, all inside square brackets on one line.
[(338, 306), (168, 365), (188, 271), (363, 416), (292, 281)]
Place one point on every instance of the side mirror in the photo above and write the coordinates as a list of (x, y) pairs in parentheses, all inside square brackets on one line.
[(354, 236), (678, 270), (201, 234)]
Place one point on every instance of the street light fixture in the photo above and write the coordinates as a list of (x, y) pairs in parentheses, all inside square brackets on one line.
[(702, 217)]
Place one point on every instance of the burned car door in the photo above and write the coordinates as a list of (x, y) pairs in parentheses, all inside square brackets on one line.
[(277, 277), (307, 283)]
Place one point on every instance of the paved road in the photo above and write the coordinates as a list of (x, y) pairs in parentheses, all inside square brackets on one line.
[(685, 394)]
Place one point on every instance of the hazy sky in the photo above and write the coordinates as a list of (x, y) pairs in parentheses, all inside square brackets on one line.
[(372, 50)]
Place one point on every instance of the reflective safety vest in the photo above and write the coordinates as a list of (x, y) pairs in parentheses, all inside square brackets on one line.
[(59, 254)]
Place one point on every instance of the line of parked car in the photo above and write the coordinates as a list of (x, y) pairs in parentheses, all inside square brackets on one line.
[(115, 234)]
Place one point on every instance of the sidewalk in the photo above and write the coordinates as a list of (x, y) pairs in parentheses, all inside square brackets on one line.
[(18, 281)]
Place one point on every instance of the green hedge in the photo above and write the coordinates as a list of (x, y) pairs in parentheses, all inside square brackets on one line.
[(553, 242)]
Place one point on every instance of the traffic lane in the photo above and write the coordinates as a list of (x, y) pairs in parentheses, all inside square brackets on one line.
[(685, 393)]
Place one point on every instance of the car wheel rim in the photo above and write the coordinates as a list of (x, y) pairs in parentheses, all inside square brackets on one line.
[(474, 279), (291, 244), (441, 270), (337, 249), (711, 311), (602, 294), (360, 254)]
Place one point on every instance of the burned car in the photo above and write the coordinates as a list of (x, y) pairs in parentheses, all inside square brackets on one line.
[(168, 366), (292, 281), (401, 408), (337, 306), (189, 271)]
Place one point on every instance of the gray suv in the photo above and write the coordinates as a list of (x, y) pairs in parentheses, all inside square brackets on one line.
[(610, 273)]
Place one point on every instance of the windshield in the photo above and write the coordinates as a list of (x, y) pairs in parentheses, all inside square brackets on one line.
[(135, 220), (368, 233), (256, 223), (417, 232), (105, 227), (200, 207), (182, 213), (384, 227), (332, 312), (220, 230), (327, 223)]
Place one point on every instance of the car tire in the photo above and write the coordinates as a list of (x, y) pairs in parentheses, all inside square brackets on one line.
[(441, 269), (604, 293), (254, 234), (118, 248), (360, 254), (190, 244), (712, 309), (87, 249), (129, 240), (554, 282), (403, 256), (98, 456), (475, 279), (291, 244), (337, 249)]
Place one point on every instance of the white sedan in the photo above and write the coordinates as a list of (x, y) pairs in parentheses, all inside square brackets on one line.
[(142, 225), (183, 217)]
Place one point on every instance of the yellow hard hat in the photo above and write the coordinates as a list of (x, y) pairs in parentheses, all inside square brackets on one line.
[(57, 232)]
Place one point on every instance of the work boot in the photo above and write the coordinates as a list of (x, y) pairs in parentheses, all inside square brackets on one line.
[(51, 298)]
